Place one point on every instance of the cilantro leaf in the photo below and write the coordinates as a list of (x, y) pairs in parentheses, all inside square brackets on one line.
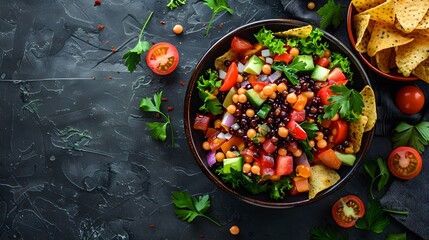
[(188, 207), (216, 6), (158, 130), (175, 3), (416, 136), (338, 60), (325, 233), (267, 38), (313, 44), (207, 85), (331, 14), (375, 219), (290, 70), (310, 129), (397, 236), (348, 103), (133, 57)]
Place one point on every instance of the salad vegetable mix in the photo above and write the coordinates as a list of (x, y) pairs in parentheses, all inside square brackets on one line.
[(279, 115)]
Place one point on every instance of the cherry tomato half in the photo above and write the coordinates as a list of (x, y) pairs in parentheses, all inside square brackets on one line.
[(347, 210), (339, 130), (410, 99), (324, 94), (162, 58), (239, 45), (323, 62), (405, 162)]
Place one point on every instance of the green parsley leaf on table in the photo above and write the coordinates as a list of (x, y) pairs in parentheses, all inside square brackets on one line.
[(133, 57), (267, 38), (175, 4), (416, 136), (188, 207), (158, 130), (290, 70), (207, 85), (377, 169), (331, 14), (348, 103), (325, 233), (338, 60), (313, 44), (375, 219), (397, 236), (216, 6)]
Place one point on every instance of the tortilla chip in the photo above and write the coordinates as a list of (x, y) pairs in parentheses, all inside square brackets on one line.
[(424, 23), (411, 55), (385, 36), (384, 12), (392, 60), (369, 110), (219, 62), (362, 5), (422, 71), (360, 24), (321, 178), (424, 32), (301, 32), (356, 130), (410, 12), (382, 59)]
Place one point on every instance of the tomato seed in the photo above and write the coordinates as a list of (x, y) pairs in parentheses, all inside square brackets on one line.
[(97, 2)]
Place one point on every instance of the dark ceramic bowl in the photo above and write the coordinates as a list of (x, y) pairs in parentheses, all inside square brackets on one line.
[(196, 137), (393, 74)]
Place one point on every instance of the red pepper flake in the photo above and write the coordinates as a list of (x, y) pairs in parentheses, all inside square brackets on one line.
[(162, 22), (220, 25), (152, 225), (101, 27), (97, 2), (170, 108), (182, 83), (113, 50), (158, 115), (164, 99), (110, 77)]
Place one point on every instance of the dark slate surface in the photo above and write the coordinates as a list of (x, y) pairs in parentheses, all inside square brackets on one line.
[(77, 161)]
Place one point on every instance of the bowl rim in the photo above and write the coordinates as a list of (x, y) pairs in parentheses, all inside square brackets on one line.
[(364, 58), (200, 160)]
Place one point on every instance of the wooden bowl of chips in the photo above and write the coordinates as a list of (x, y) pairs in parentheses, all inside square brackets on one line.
[(395, 50)]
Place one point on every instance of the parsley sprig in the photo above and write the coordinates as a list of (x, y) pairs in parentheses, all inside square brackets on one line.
[(216, 6), (416, 136), (188, 207), (175, 4), (266, 37), (133, 57), (158, 130), (207, 85), (331, 14), (313, 44), (348, 103), (290, 70), (325, 233)]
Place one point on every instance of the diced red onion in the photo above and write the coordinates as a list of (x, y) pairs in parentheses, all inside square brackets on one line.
[(240, 67), (211, 159), (263, 77), (269, 60), (301, 160), (222, 74), (235, 126), (227, 119), (265, 53), (244, 84), (274, 76)]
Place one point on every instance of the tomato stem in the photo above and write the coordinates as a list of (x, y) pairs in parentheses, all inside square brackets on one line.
[(144, 26)]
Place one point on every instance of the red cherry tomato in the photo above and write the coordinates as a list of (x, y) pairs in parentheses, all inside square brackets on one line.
[(339, 130), (162, 58), (230, 78), (323, 62), (347, 210), (405, 162), (324, 94), (240, 45), (410, 99)]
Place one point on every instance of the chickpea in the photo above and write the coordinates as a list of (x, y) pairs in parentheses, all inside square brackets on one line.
[(281, 87), (261, 139), (235, 98), (258, 87), (291, 98), (230, 154), (251, 133), (246, 168), (335, 117), (231, 109), (219, 156), (319, 136), (178, 29), (262, 95), (242, 98), (322, 143), (268, 90), (327, 53), (283, 132), (250, 112), (234, 230), (274, 86), (206, 145), (217, 123), (266, 69), (241, 91), (311, 143), (255, 170), (308, 94), (297, 153), (240, 78), (273, 95), (294, 51), (248, 159), (311, 5), (282, 151)]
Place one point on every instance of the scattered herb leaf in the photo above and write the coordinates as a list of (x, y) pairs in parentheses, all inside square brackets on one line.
[(307, 149), (216, 6), (175, 4), (416, 136), (290, 70), (267, 38), (331, 14), (325, 233), (313, 44), (188, 207), (348, 103), (158, 130), (375, 219), (338, 60), (310, 129), (377, 169), (133, 57), (206, 85), (397, 236)]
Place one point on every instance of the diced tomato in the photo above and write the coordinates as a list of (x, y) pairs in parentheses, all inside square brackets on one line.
[(300, 103), (296, 131), (247, 152), (324, 94), (285, 57), (284, 165), (293, 191), (302, 184), (231, 77), (201, 122), (239, 45), (330, 159), (215, 142), (323, 62), (297, 116), (339, 130), (255, 83), (266, 160), (336, 76), (210, 132), (267, 172), (269, 146)]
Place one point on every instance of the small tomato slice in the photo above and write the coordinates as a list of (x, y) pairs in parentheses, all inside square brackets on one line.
[(297, 116), (336, 76), (405, 162), (339, 130), (323, 62), (284, 57), (201, 122), (347, 210), (324, 94), (240, 45), (296, 131), (162, 58), (230, 78), (284, 165)]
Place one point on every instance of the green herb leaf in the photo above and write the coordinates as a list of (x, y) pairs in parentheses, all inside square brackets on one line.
[(348, 103), (158, 130), (384, 173), (310, 129), (207, 85), (375, 219), (331, 14), (188, 207), (290, 70), (413, 136), (313, 44), (307, 149), (133, 57), (267, 38), (325, 233), (175, 3), (280, 188), (338, 60), (377, 169), (397, 236), (216, 6)]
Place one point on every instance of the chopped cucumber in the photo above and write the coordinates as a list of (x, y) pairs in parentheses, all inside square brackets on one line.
[(254, 98), (232, 163), (346, 158), (263, 112), (308, 60), (254, 65), (228, 98), (320, 73)]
